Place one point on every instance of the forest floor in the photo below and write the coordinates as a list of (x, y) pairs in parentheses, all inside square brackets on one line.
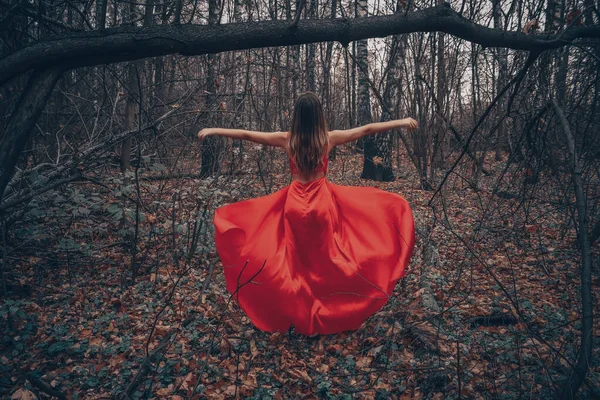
[(504, 274)]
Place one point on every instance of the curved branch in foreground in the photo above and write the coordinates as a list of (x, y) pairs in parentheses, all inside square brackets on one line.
[(129, 43)]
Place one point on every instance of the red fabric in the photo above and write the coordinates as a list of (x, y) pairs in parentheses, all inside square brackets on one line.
[(320, 256), (320, 168)]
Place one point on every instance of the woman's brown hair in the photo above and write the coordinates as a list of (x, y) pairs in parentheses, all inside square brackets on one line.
[(308, 134)]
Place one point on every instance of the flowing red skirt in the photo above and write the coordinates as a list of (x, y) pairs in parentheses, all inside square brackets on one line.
[(320, 256)]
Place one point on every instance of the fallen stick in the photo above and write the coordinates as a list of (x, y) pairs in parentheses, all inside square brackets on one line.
[(44, 387), (145, 367)]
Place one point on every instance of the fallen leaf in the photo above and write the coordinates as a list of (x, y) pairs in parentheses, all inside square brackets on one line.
[(23, 394)]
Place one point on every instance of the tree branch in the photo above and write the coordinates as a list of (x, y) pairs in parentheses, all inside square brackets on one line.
[(130, 43), (18, 200)]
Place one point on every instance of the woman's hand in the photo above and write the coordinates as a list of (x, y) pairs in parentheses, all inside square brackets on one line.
[(410, 123), (204, 133)]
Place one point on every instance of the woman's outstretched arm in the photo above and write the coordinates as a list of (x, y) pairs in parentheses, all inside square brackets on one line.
[(277, 139), (349, 135)]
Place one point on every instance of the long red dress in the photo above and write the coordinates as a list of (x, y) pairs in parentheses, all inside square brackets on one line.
[(317, 255)]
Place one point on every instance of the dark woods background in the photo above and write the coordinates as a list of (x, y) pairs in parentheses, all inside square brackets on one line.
[(108, 281)]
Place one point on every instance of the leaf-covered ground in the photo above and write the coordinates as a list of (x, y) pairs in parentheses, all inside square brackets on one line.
[(503, 273)]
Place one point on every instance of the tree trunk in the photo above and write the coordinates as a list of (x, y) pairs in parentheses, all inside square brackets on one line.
[(311, 50), (420, 138), (562, 63), (178, 7), (377, 162), (354, 95), (327, 79), (211, 147), (133, 93), (502, 55), (149, 13), (575, 380), (382, 157), (101, 14), (363, 96), (130, 106), (22, 121), (439, 130), (477, 160)]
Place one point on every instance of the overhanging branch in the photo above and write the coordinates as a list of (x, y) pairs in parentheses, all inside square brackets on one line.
[(129, 43)]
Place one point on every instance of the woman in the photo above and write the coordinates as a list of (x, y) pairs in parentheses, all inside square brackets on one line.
[(315, 255)]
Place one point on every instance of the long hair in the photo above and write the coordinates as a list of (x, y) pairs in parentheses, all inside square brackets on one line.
[(308, 133)]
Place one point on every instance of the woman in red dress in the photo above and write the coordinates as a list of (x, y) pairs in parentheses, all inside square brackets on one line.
[(316, 255)]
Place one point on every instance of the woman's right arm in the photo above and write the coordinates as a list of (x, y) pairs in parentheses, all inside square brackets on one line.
[(348, 135)]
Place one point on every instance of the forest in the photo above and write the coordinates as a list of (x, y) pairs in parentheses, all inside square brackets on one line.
[(110, 283)]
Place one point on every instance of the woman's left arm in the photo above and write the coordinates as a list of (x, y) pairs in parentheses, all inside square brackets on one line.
[(277, 139)]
